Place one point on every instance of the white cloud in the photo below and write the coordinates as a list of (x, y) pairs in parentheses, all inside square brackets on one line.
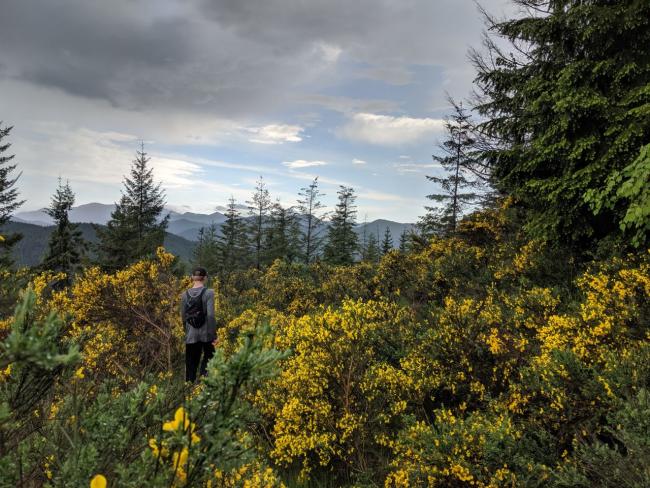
[(387, 130), (329, 52), (301, 163), (175, 173), (358, 161), (276, 134), (415, 167)]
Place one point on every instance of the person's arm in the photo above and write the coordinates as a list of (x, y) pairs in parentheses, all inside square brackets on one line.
[(209, 306)]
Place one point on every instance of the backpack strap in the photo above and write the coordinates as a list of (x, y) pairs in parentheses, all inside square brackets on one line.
[(205, 310)]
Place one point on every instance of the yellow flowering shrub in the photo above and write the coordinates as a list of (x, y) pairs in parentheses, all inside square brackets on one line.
[(291, 288), (252, 475), (128, 322), (320, 406), (473, 450), (613, 314)]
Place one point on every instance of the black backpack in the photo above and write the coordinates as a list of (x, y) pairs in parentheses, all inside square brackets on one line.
[(194, 313)]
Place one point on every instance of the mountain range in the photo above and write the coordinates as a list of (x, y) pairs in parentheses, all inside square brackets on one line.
[(186, 224), (182, 231)]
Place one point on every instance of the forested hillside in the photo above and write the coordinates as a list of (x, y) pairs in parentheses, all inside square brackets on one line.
[(29, 251), (503, 342)]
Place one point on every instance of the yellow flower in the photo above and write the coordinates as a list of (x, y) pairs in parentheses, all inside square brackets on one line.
[(180, 418), (98, 481), (79, 374)]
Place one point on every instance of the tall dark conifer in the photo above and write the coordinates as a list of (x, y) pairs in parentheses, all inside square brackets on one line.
[(282, 238), (206, 252), (311, 212), (342, 240), (258, 211), (8, 197), (567, 101), (403, 241), (232, 244), (387, 243), (372, 252), (136, 228), (458, 188), (66, 244)]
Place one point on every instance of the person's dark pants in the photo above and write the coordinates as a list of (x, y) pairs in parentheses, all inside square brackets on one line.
[(193, 359)]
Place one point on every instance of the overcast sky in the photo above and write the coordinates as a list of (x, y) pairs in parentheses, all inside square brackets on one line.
[(223, 91)]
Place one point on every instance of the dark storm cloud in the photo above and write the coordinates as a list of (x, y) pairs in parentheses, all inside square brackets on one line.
[(233, 58), (408, 31), (87, 49)]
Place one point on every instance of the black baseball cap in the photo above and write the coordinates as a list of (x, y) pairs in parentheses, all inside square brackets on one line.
[(199, 271)]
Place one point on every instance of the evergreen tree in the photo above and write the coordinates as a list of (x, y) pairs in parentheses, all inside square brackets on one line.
[(66, 244), (8, 197), (135, 229), (567, 103), (258, 210), (387, 243), (458, 159), (232, 244), (310, 208), (372, 252), (404, 241), (282, 235), (363, 245), (206, 252), (342, 240)]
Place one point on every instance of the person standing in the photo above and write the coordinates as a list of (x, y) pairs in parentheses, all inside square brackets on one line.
[(197, 314)]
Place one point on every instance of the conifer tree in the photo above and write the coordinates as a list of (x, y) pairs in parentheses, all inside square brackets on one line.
[(567, 102), (403, 241), (206, 252), (258, 210), (387, 243), (66, 245), (458, 159), (342, 240), (136, 228), (363, 245), (8, 197), (282, 235), (311, 210), (232, 244), (372, 252)]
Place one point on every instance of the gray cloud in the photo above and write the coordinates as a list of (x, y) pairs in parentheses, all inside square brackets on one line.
[(230, 58)]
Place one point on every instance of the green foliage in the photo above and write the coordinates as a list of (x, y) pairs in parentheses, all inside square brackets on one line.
[(282, 236), (258, 209), (569, 111), (8, 197), (387, 242), (232, 244), (310, 209), (460, 161), (617, 456), (33, 359), (66, 243), (342, 244), (370, 251), (631, 186), (206, 252), (135, 229)]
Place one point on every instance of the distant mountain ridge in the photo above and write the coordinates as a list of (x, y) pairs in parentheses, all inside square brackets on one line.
[(187, 224), (32, 247)]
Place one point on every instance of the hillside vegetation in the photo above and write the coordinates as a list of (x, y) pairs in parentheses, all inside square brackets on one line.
[(485, 359)]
